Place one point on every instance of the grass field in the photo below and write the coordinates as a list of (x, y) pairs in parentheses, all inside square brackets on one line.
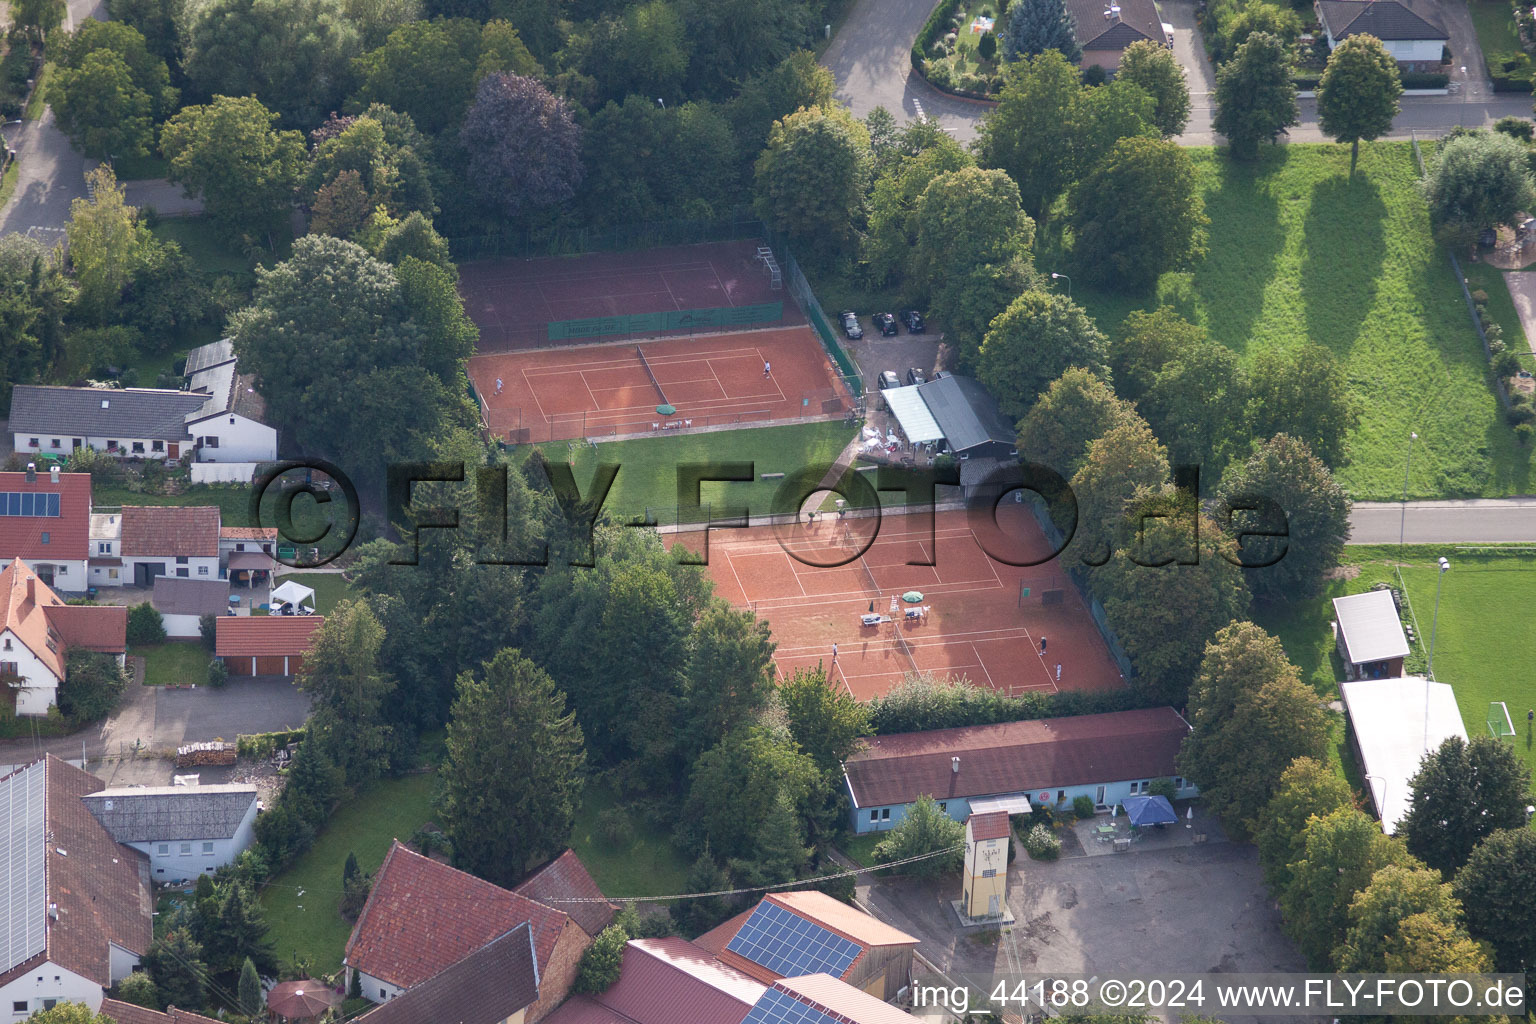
[(648, 866), (861, 849), (174, 662), (1495, 26), (1299, 254), (301, 903), (329, 588), (647, 476)]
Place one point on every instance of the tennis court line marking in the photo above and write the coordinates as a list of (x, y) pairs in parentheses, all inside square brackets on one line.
[(528, 385), (730, 562), (772, 380), (729, 299)]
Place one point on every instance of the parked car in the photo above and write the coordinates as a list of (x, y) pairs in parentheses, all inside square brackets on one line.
[(887, 324), (914, 321), (916, 376), (851, 326), (888, 379)]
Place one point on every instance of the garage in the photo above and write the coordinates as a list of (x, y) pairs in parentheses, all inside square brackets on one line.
[(264, 645)]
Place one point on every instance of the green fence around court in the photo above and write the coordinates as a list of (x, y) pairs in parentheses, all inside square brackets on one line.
[(666, 321), (800, 288)]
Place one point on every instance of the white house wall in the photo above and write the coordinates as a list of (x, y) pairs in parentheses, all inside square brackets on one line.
[(167, 862), (377, 991), (45, 982), (240, 439), (123, 963), (182, 627), (66, 445), (69, 574), (198, 567), (41, 684)]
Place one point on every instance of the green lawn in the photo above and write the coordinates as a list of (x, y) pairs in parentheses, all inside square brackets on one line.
[(310, 924), (1495, 27), (861, 848), (647, 476), (1299, 254), (209, 250), (329, 587), (648, 866), (175, 661)]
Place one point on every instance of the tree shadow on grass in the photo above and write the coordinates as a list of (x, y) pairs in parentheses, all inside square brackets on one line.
[(1244, 244), (1343, 252)]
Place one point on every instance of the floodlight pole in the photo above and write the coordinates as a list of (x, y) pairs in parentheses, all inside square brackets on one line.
[(1063, 277), (1433, 630), (1402, 525)]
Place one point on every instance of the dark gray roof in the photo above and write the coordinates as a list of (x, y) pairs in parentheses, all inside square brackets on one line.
[(177, 596), (127, 412), (966, 413), (158, 814), (486, 987), (1138, 19), (211, 354), (1384, 19)]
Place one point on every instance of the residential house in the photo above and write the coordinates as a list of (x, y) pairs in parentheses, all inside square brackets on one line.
[(423, 917), (182, 603), (185, 831), (564, 884), (45, 521), (657, 977), (140, 423), (131, 1013), (76, 904), (822, 999), (149, 541), (37, 632), (265, 645), (1105, 28), (771, 941), (496, 984), (1416, 41), (1015, 765), (228, 427), (1368, 633)]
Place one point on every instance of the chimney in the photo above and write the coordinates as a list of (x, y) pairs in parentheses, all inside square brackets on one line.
[(32, 593), (954, 765), (31, 472), (53, 474)]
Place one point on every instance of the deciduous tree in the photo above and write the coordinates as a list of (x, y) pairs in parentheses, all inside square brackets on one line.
[(1252, 717), (107, 245), (229, 154), (811, 178), (514, 773), (1124, 459), (425, 69), (1076, 409), (1304, 394), (349, 687), (727, 676), (1376, 916), (1255, 98), (1462, 793), (1032, 132), (1495, 890), (1481, 180), (1157, 72), (524, 147), (1031, 343), (1138, 213), (1315, 524), (93, 684), (741, 779), (823, 718), (924, 829), (99, 107), (1357, 95), (1307, 788), (892, 231)]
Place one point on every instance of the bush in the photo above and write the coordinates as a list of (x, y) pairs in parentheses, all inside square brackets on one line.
[(1094, 75), (145, 625), (1082, 806), (1511, 72), (938, 21), (601, 963), (1042, 844), (1480, 299), (93, 683), (218, 674), (1425, 80), (1524, 432), (615, 828), (1506, 364), (941, 75), (1163, 788), (924, 829), (1519, 414), (986, 47), (139, 990), (208, 629)]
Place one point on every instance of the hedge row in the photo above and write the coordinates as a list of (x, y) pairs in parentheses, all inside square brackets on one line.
[(1411, 80), (1511, 72), (936, 25)]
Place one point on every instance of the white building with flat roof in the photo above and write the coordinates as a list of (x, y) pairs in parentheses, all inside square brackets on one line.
[(1394, 723)]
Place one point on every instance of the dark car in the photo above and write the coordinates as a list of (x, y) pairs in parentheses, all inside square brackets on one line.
[(888, 379), (851, 326), (887, 324), (916, 376), (914, 321)]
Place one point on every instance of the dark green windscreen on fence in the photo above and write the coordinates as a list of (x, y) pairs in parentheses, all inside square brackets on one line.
[(669, 320)]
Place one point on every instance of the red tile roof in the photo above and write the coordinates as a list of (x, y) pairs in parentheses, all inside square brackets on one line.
[(564, 884), (422, 917), (170, 530), (128, 1013), (992, 825), (660, 975), (486, 987), (841, 1001), (585, 1010), (69, 534), (243, 636), (248, 533), (96, 627), (24, 601), (1016, 757), (101, 889)]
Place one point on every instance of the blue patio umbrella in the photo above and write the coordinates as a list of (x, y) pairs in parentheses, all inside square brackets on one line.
[(1149, 810)]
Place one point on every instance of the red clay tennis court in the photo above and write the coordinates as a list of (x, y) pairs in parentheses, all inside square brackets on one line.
[(605, 390), (513, 301), (977, 623)]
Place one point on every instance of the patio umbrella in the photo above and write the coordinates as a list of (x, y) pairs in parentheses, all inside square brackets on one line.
[(665, 410), (1149, 810), (1114, 812), (913, 597), (301, 1000)]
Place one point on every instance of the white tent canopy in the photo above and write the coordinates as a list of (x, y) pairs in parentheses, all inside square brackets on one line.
[(912, 413), (293, 593)]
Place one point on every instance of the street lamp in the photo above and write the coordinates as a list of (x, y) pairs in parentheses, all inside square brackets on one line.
[(1402, 525), (1063, 277), (1435, 625)]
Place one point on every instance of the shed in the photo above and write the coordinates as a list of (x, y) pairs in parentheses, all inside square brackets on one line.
[(969, 417), (912, 413), (1393, 723), (265, 645), (1370, 635), (182, 602)]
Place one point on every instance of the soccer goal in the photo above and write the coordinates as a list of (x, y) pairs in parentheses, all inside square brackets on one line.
[(1499, 722)]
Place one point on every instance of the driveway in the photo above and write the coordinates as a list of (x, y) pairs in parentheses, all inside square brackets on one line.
[(1199, 76)]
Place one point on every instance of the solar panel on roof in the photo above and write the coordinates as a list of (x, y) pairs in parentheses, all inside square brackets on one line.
[(777, 1007), (791, 946), (23, 913)]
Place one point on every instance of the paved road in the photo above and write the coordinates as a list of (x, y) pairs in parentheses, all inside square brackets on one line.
[(1481, 521), (870, 59)]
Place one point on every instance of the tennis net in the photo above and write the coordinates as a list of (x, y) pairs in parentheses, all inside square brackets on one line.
[(640, 353)]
